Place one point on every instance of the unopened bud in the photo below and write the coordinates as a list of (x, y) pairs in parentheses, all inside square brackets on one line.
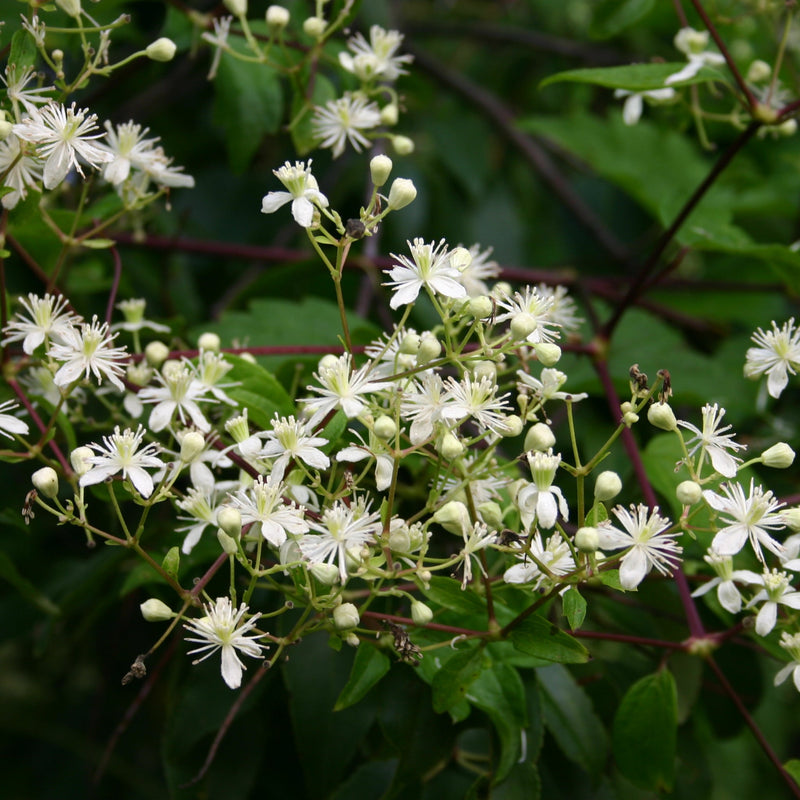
[(402, 193), (409, 345), (491, 513), (277, 17), (522, 325), (326, 574), (626, 407), (154, 610), (587, 540), (450, 447), (779, 456), (453, 517), (45, 481), (429, 348), (172, 562), (209, 341), (791, 516), (661, 415), (162, 49), (192, 444), (548, 353), (485, 369), (229, 520), (629, 418), (688, 493), (759, 71), (539, 437), (227, 543), (345, 617), (480, 307), (79, 458), (403, 146), (389, 115), (71, 7), (385, 427), (380, 167), (787, 128), (5, 128), (156, 353), (420, 613), (237, 7), (511, 426), (607, 486), (314, 27)]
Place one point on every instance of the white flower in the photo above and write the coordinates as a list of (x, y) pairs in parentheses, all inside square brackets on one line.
[(303, 192), (476, 399), (210, 370), (342, 528), (179, 391), (424, 402), (725, 581), (389, 354), (201, 507), (480, 267), (341, 388), (537, 307), (375, 59), (776, 591), (21, 171), (549, 387), (651, 545), (750, 517), (133, 311), (290, 440), (429, 266), (384, 463), (634, 102), (693, 43), (263, 503), (48, 318), (790, 643), (714, 441), (777, 354), (61, 136), (121, 452), (222, 628), (219, 40), (564, 310), (16, 84), (343, 120), (478, 537), (88, 349), (9, 424), (540, 500), (555, 556)]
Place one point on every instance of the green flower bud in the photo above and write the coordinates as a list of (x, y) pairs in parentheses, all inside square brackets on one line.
[(548, 353), (326, 574), (162, 49), (484, 369), (156, 353), (587, 540), (779, 456), (345, 617), (5, 128), (629, 418), (607, 486), (429, 349), (385, 427), (380, 167), (453, 517), (154, 610), (450, 447), (688, 493), (227, 543), (79, 458), (522, 325), (491, 513), (172, 562), (539, 437), (389, 115), (229, 520), (511, 426), (401, 193), (420, 613), (45, 481), (409, 345), (660, 415), (791, 516), (277, 17), (314, 27), (480, 307), (209, 341), (192, 444), (237, 7), (759, 71), (403, 146), (71, 7)]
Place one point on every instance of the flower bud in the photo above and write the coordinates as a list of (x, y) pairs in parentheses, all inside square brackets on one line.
[(314, 27), (45, 481), (403, 146), (480, 307), (237, 7), (326, 574), (192, 444), (629, 418), (626, 407), (389, 115), (779, 456), (79, 458), (71, 7), (688, 493), (5, 128), (409, 344), (539, 437), (548, 353), (162, 49), (209, 341), (345, 617), (351, 640), (460, 258), (587, 540), (248, 357), (277, 17), (420, 613), (787, 128), (385, 427), (238, 428), (401, 193), (229, 520), (661, 415), (791, 516), (491, 513), (484, 369), (450, 447), (511, 426), (156, 353), (429, 348), (759, 71), (400, 539), (154, 610), (607, 486), (227, 543), (522, 325), (172, 562), (380, 167), (453, 517)]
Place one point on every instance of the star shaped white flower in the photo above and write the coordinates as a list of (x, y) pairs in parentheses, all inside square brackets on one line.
[(47, 318), (290, 440), (713, 440), (9, 424), (790, 643), (776, 591), (222, 629), (375, 59), (693, 45), (122, 452), (477, 400), (777, 355), (535, 306), (201, 506), (747, 518), (303, 193), (62, 135), (549, 386), (476, 538), (563, 309), (650, 543), (345, 120), (423, 402), (179, 391), (429, 267), (725, 581), (21, 171), (384, 463), (480, 267), (540, 500), (555, 555)]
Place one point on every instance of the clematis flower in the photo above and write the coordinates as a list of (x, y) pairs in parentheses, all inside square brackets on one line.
[(776, 591), (777, 355), (790, 643), (429, 267), (303, 193), (725, 581), (713, 440), (345, 120), (540, 500)]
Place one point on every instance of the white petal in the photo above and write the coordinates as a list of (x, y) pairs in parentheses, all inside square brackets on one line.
[(777, 380), (766, 618), (632, 110), (141, 481), (729, 597), (231, 667), (633, 569), (161, 415), (303, 212), (273, 201), (730, 541)]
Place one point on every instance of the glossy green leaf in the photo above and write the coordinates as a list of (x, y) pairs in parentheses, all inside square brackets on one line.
[(448, 593), (645, 732), (538, 637), (574, 607), (632, 77), (597, 514), (451, 682), (369, 666), (258, 391)]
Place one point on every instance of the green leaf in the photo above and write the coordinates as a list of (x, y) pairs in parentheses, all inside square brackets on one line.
[(23, 51), (632, 77), (10, 573), (451, 682), (574, 607), (645, 732), (499, 693), (522, 781), (570, 718), (302, 129), (369, 666), (258, 391), (610, 17), (597, 514), (538, 637), (792, 766), (247, 105), (447, 592)]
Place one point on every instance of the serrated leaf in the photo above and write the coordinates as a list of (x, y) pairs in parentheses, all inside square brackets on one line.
[(574, 608), (538, 637), (632, 77), (447, 592), (248, 104), (610, 17), (369, 666), (645, 732), (570, 718), (23, 51), (451, 683)]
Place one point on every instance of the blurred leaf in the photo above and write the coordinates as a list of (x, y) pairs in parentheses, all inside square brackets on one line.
[(369, 666), (632, 77), (574, 607), (538, 637), (451, 683), (523, 781), (302, 129), (645, 732), (10, 573), (610, 17), (792, 766), (570, 718), (23, 51), (259, 392)]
